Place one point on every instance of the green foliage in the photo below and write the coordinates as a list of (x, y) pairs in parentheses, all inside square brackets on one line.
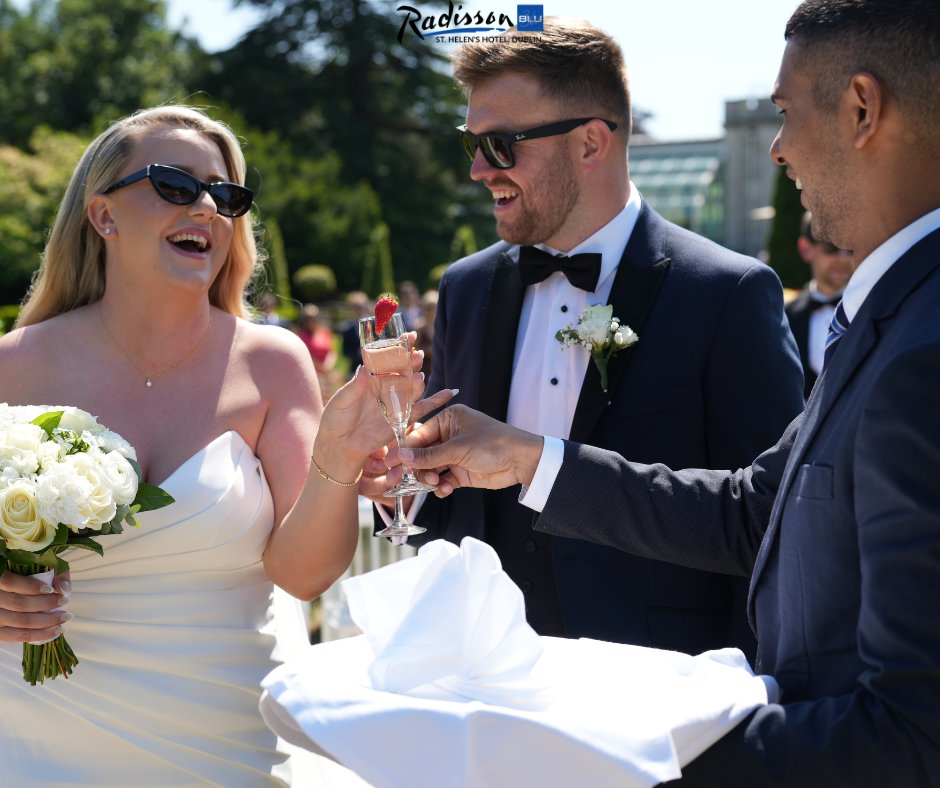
[(435, 275), (314, 283), (31, 186), (378, 275), (278, 275), (788, 211), (464, 242)]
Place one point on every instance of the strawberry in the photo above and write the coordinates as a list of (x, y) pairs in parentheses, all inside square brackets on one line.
[(384, 309)]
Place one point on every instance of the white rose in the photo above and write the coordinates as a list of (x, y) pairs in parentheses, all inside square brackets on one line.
[(21, 524), (120, 477), (77, 420), (595, 323), (50, 452), (111, 441), (18, 446), (63, 495), (100, 500)]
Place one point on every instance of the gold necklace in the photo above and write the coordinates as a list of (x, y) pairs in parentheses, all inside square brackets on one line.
[(149, 379)]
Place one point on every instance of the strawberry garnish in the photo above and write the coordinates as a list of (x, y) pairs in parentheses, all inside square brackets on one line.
[(384, 309)]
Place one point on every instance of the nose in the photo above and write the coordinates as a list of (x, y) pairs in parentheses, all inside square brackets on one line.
[(204, 204), (775, 155), (480, 168)]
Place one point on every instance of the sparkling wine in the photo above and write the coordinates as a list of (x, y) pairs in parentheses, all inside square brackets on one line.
[(389, 364)]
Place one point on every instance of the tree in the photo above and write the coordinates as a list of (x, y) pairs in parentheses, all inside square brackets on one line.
[(336, 81), (781, 246), (73, 64)]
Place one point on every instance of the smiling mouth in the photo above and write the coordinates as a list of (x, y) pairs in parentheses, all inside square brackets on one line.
[(190, 242), (503, 196)]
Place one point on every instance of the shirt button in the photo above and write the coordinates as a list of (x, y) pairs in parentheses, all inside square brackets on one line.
[(529, 546), (564, 308), (525, 585), (554, 381)]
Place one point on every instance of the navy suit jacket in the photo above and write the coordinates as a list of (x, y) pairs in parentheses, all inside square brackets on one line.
[(713, 379), (840, 524)]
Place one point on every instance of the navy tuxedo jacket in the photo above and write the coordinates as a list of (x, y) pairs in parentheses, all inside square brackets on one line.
[(840, 525), (713, 380), (798, 312)]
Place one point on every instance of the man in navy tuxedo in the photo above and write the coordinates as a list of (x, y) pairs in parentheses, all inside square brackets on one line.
[(811, 311), (838, 525), (714, 377)]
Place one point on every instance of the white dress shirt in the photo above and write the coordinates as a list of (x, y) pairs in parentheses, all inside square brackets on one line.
[(864, 278), (818, 328)]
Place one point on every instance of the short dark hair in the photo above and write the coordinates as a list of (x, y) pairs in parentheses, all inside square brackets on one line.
[(898, 41), (576, 64)]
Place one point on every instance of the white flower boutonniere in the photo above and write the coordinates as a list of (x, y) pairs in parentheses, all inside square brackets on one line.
[(599, 332)]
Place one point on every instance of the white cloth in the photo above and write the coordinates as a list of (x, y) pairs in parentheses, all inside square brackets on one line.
[(448, 623), (173, 630), (616, 715)]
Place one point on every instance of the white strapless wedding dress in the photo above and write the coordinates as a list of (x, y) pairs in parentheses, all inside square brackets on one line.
[(174, 629)]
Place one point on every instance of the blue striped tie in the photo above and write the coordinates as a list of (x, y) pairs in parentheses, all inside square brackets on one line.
[(837, 329)]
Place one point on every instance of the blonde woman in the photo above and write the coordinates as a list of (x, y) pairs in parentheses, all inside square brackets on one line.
[(138, 316)]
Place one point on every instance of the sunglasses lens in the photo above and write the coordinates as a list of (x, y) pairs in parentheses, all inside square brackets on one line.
[(469, 145), (231, 200), (496, 152), (174, 187)]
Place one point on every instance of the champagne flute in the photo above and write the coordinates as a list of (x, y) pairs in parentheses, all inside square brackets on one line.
[(386, 355)]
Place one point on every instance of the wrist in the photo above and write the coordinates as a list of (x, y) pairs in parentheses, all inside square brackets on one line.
[(335, 466)]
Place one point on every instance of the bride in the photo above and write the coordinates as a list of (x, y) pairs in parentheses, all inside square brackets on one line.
[(137, 315)]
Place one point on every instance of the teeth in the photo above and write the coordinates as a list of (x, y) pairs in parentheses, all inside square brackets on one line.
[(504, 195), (799, 184), (199, 240)]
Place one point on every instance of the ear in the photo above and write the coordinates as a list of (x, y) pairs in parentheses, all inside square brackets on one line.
[(805, 248), (867, 99), (99, 215), (596, 140)]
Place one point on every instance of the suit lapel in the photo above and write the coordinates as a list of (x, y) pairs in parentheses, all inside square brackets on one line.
[(636, 284), (500, 326), (855, 348)]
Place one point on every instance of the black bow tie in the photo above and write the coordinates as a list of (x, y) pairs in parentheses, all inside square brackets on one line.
[(582, 270), (816, 303)]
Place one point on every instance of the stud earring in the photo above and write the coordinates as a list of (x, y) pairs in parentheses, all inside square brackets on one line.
[(107, 231)]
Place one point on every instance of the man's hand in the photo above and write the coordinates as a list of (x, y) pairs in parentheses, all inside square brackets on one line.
[(469, 449)]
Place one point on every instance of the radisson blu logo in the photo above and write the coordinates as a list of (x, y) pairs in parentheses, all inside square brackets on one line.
[(457, 25)]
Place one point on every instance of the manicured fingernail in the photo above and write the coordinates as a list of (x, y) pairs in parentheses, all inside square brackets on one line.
[(65, 587), (356, 373), (56, 631), (422, 375), (46, 589), (65, 617), (455, 392)]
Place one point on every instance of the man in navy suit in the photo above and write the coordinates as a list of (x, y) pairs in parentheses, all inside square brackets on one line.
[(810, 313), (838, 525), (715, 374)]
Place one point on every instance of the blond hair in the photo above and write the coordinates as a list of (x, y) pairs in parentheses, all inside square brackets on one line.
[(72, 272)]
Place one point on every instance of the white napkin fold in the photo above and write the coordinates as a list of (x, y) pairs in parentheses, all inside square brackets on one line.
[(449, 622)]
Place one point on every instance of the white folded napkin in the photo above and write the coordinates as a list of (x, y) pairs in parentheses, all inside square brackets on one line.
[(449, 622)]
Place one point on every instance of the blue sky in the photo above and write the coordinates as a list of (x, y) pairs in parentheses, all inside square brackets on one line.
[(685, 57)]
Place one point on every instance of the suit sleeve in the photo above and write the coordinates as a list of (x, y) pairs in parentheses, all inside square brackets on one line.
[(754, 379), (711, 520), (886, 731)]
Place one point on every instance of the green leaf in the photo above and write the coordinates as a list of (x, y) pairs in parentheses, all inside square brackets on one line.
[(25, 558), (61, 567), (87, 543), (150, 497), (137, 470), (49, 421), (61, 535)]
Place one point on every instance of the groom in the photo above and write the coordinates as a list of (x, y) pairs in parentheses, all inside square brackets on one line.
[(714, 377)]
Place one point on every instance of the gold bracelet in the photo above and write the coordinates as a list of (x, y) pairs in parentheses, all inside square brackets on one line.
[(329, 478)]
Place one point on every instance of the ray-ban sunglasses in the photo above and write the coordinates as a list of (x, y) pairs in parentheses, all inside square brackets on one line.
[(181, 188), (497, 148)]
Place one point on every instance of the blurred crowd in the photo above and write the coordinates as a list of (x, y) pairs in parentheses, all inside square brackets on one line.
[(331, 333)]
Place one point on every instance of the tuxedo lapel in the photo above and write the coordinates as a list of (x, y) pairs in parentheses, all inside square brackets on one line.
[(500, 326), (636, 284)]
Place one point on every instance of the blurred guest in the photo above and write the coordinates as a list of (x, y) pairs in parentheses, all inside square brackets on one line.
[(425, 328), (810, 313), (319, 341), (409, 304), (360, 306), (267, 311)]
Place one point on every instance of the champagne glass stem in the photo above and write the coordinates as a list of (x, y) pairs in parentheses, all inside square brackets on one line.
[(407, 475)]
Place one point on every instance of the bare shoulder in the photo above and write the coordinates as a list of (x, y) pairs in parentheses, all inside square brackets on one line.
[(26, 352), (276, 357)]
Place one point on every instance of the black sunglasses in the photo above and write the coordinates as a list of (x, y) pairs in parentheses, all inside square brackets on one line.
[(497, 148), (181, 188)]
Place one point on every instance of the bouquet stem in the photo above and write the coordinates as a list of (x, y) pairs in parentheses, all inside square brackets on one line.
[(43, 661)]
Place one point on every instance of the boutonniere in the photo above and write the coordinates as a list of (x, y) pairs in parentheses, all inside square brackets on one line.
[(599, 332)]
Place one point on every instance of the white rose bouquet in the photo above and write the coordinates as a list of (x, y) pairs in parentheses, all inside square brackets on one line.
[(600, 333), (64, 478)]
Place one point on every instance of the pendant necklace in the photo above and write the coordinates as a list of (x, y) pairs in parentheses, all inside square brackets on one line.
[(149, 379)]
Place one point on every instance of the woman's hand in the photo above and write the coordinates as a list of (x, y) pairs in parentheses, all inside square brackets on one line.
[(26, 606)]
